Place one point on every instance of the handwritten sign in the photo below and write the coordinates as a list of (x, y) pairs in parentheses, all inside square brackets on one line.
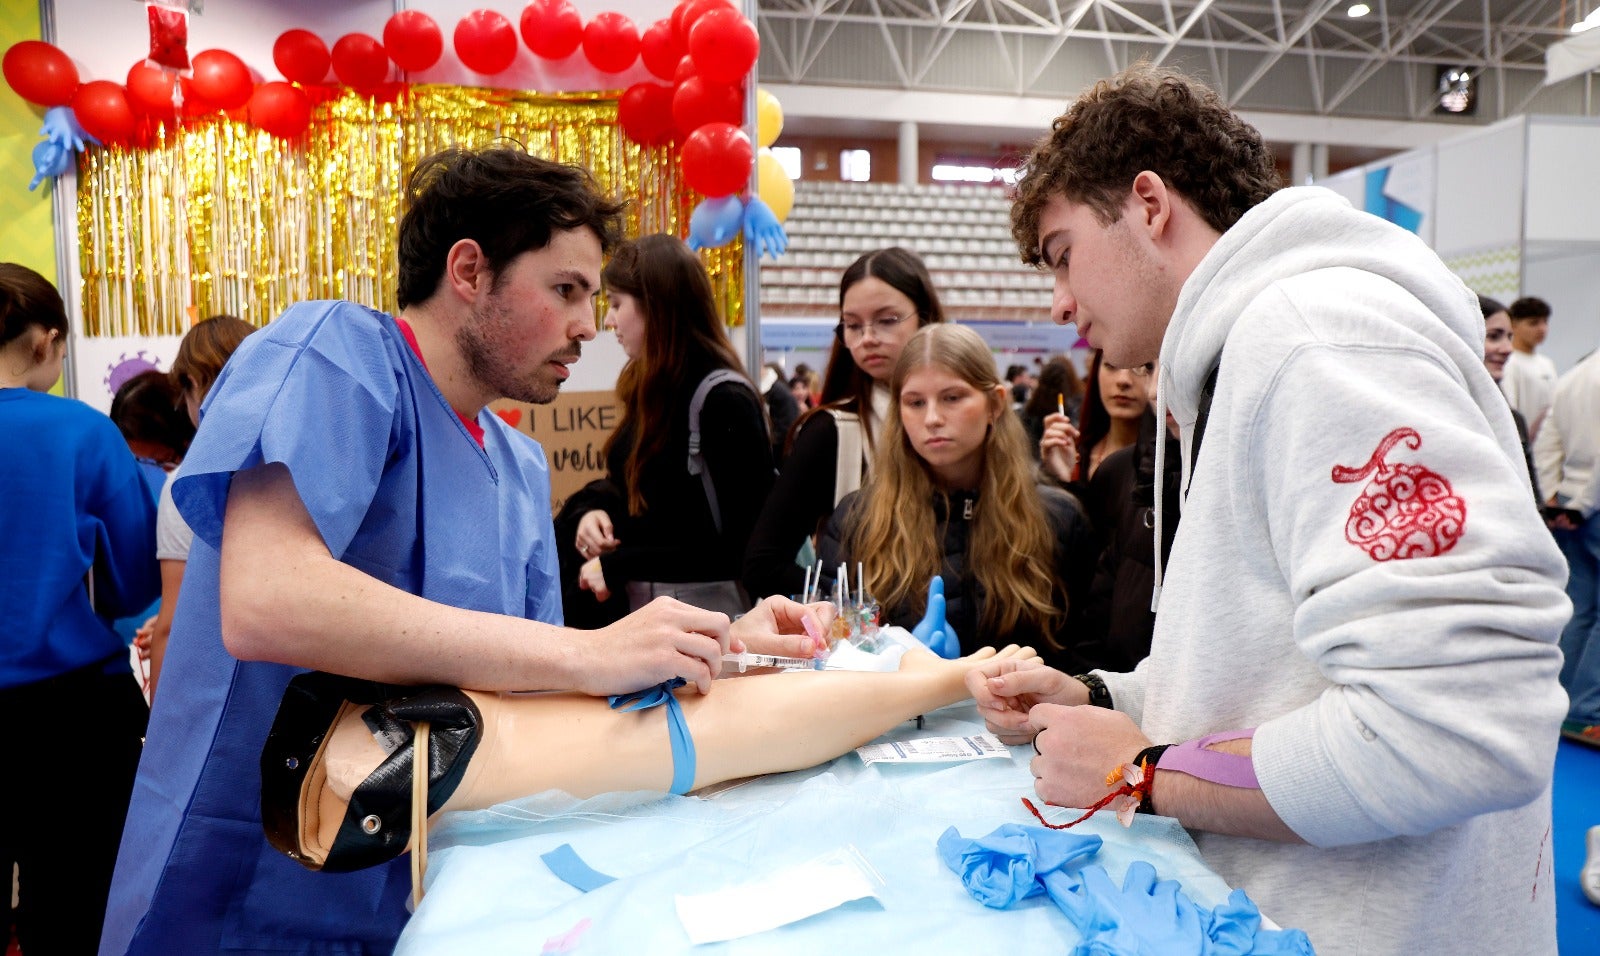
[(573, 429)]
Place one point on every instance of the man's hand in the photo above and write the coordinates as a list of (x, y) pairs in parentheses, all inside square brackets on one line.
[(591, 577), (784, 628), (1006, 691), (1058, 447), (594, 536), (1078, 747), (662, 640)]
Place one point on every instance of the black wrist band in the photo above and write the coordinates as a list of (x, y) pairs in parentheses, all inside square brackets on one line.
[(1147, 759), (1099, 694)]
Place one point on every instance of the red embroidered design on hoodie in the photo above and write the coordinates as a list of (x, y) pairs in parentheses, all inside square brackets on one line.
[(1406, 511)]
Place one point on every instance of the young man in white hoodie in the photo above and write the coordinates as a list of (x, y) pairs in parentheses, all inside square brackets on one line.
[(1354, 658)]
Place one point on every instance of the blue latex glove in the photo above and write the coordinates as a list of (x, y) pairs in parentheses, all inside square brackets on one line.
[(1147, 916), (1004, 867), (61, 126), (762, 230), (1143, 916), (63, 138), (715, 222), (933, 630)]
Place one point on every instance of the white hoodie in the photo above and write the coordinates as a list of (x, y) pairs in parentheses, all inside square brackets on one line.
[(1404, 688)]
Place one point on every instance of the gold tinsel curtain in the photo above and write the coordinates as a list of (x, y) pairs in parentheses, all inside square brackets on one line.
[(222, 217)]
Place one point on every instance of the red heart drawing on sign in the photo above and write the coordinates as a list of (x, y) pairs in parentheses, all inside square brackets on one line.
[(511, 416)]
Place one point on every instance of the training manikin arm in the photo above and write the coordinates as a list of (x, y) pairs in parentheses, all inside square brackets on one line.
[(285, 598)]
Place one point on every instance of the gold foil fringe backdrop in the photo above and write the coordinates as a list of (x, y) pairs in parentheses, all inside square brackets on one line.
[(222, 217)]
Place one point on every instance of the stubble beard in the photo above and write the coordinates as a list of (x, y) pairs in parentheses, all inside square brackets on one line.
[(482, 342)]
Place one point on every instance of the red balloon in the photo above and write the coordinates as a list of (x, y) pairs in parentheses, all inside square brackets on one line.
[(611, 42), (552, 28), (102, 110), (360, 61), (645, 113), (684, 71), (40, 73), (687, 13), (222, 79), (150, 91), (485, 42), (413, 40), (724, 45), (659, 50), (301, 56), (717, 159), (697, 102), (281, 109)]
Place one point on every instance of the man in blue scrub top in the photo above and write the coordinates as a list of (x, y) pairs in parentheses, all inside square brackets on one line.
[(357, 509)]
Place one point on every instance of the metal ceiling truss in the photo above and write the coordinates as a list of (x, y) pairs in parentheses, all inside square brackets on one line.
[(1305, 55)]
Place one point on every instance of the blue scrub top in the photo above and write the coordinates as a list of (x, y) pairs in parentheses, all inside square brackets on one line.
[(398, 489)]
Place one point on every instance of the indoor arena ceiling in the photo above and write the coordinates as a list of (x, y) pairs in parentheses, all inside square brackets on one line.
[(1295, 56)]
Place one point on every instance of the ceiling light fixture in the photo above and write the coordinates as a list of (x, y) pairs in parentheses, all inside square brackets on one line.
[(1359, 10)]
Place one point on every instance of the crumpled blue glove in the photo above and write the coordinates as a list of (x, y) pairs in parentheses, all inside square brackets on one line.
[(1004, 867), (933, 630), (63, 139), (1146, 916), (762, 230)]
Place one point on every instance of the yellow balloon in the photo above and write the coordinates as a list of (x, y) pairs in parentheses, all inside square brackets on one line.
[(769, 117), (773, 185)]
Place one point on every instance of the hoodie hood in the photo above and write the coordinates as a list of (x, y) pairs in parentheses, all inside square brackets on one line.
[(1293, 232)]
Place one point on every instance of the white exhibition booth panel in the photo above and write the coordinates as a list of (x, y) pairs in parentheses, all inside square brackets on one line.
[(1510, 210)]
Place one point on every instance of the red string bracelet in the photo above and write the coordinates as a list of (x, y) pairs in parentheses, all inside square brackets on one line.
[(1137, 779)]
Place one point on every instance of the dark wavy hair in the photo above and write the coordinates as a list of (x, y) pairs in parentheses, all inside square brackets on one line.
[(502, 198), (27, 299), (149, 408), (1529, 307), (844, 384), (683, 340), (1144, 118)]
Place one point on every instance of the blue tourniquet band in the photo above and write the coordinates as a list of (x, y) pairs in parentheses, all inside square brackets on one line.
[(677, 727)]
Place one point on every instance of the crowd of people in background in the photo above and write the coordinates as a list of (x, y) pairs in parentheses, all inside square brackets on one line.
[(1042, 507)]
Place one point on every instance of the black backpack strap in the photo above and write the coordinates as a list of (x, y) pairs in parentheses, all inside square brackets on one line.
[(697, 460), (1208, 391)]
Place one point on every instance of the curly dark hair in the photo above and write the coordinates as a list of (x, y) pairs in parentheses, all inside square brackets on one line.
[(1529, 307), (505, 199), (1145, 118)]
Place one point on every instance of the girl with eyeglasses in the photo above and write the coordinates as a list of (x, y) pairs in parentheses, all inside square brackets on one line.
[(651, 528), (884, 298), (954, 495)]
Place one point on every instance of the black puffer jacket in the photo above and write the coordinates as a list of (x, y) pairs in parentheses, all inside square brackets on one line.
[(1117, 620), (1074, 562)]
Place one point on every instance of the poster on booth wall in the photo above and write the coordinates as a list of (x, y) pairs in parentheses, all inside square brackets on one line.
[(573, 429), (102, 365)]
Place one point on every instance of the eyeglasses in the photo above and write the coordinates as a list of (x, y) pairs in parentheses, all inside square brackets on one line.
[(1139, 371), (854, 330)]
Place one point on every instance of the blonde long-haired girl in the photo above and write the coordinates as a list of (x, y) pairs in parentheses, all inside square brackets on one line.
[(954, 495)]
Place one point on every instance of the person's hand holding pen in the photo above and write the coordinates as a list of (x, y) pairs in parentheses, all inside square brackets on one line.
[(1058, 446)]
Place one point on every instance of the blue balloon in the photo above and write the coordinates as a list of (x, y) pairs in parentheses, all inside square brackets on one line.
[(715, 222)]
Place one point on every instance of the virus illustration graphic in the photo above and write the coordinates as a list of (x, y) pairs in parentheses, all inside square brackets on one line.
[(127, 366)]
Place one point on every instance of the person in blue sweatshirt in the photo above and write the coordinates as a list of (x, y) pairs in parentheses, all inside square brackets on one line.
[(77, 551)]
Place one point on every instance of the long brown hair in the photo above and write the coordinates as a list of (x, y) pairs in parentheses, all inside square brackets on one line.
[(205, 349), (683, 337), (1011, 547), (844, 385)]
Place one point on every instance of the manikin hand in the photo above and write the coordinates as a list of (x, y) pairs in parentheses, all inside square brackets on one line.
[(592, 578), (784, 628), (594, 536), (662, 640), (1005, 691), (933, 630), (1058, 447), (1077, 747)]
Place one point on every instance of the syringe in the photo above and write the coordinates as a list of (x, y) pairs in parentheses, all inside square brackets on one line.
[(748, 660)]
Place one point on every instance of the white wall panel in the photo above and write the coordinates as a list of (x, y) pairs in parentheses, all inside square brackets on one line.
[(1480, 189), (1563, 204)]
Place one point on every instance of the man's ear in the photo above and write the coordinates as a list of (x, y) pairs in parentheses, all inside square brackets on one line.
[(466, 270), (1150, 203)]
